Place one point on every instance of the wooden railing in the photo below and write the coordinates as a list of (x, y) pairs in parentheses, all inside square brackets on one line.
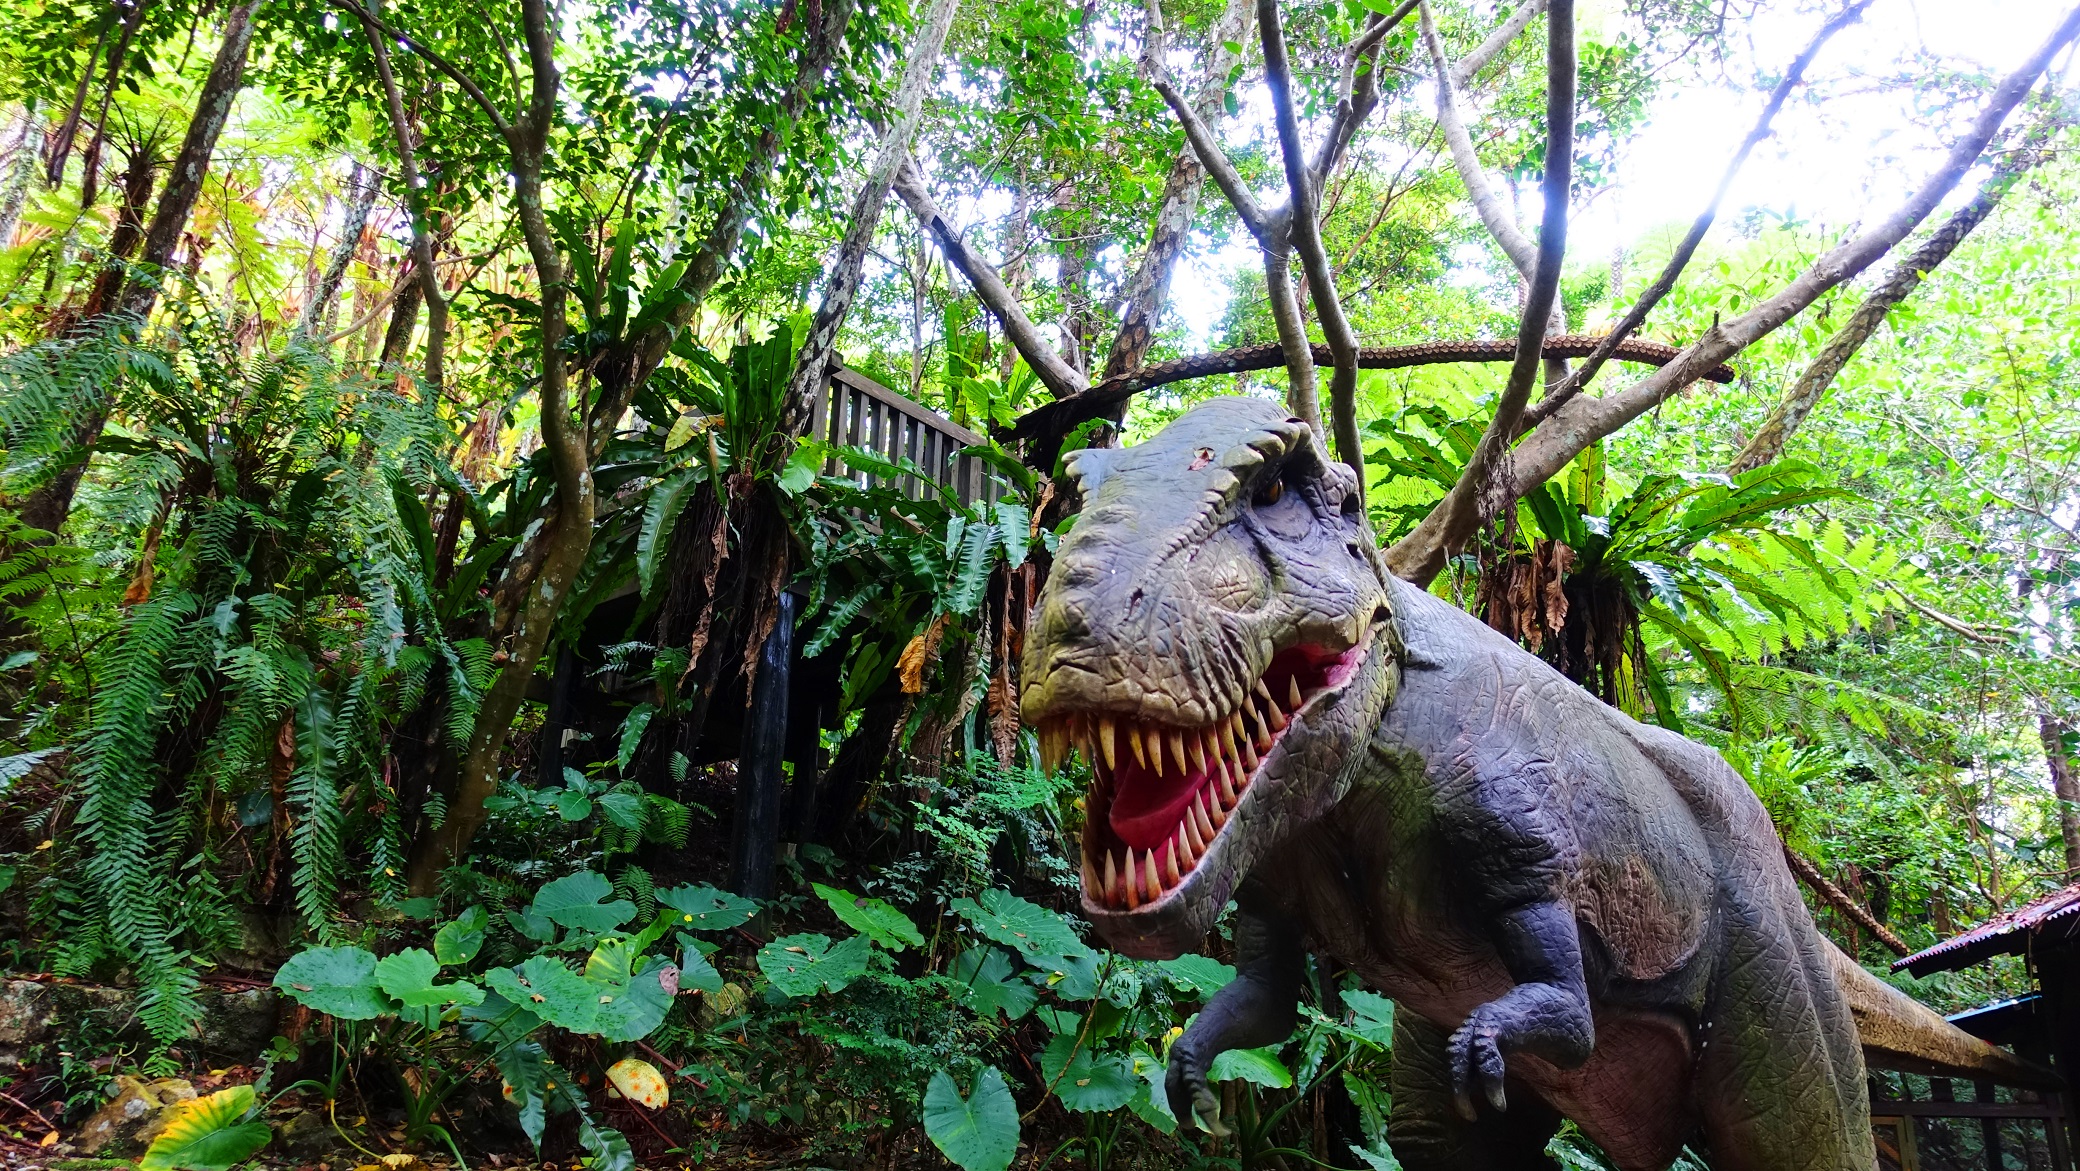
[(856, 411)]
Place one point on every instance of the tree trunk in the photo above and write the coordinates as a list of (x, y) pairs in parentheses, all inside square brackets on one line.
[(129, 230), (20, 169), (2065, 785), (319, 308), (415, 203), (47, 507), (846, 269), (1148, 290)]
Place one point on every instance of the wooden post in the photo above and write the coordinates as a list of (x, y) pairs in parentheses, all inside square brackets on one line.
[(755, 840), (1989, 1128), (563, 698)]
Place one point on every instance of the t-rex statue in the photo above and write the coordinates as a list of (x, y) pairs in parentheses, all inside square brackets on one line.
[(1577, 914)]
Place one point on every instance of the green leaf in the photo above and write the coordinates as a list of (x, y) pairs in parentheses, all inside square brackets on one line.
[(459, 941), (550, 991), (1261, 1066), (574, 901), (1030, 929), (409, 976), (609, 1148), (706, 909), (978, 1133), (667, 502), (801, 468), (803, 965), (572, 805), (337, 981), (1087, 1081), (873, 918), (632, 1009), (1198, 975), (1151, 1102), (695, 972), (633, 726), (206, 1134), (624, 810), (1372, 1017), (988, 975)]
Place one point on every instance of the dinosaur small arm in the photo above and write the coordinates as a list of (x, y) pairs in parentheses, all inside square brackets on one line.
[(1577, 915)]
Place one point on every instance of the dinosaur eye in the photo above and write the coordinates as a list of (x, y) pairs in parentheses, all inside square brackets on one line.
[(1270, 493)]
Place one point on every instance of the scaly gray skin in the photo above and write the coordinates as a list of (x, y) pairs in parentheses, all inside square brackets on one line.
[(1577, 914)]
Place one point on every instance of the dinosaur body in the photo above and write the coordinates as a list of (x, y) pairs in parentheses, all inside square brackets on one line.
[(1578, 915)]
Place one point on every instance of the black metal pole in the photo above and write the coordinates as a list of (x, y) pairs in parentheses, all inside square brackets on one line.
[(755, 840)]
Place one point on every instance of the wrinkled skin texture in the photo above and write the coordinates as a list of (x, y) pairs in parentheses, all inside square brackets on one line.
[(1577, 915)]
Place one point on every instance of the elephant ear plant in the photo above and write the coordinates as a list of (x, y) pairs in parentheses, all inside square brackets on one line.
[(505, 1013)]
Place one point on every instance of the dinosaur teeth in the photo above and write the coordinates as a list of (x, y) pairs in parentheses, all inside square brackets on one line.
[(1170, 875), (1155, 880), (1109, 893), (1133, 880), (1293, 692), (1107, 734), (1190, 829)]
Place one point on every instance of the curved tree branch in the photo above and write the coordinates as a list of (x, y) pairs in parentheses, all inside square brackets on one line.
[(1419, 555)]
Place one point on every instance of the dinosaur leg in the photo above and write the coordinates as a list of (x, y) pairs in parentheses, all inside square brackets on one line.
[(1546, 1014), (1259, 1007), (1426, 1129), (1780, 1082)]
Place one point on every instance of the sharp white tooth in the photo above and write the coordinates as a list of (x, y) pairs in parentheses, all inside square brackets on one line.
[(1171, 875), (1264, 693), (1090, 880), (1190, 830), (1134, 742), (1177, 751), (1107, 734), (1227, 793), (1152, 740), (1293, 692), (1194, 745), (1203, 818), (1234, 736), (1134, 879), (1111, 879), (1155, 881), (1249, 762), (1276, 717)]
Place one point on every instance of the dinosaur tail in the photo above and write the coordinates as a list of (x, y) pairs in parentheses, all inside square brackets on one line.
[(1901, 1033)]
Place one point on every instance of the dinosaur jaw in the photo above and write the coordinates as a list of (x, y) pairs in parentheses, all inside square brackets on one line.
[(1176, 815)]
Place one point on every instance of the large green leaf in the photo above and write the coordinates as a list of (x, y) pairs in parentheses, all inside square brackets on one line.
[(1198, 975), (708, 909), (667, 501), (459, 941), (1031, 929), (978, 1133), (988, 975), (872, 918), (551, 991), (574, 901), (803, 965), (1372, 1017), (409, 976), (337, 981), (207, 1134), (1086, 1080), (1261, 1066)]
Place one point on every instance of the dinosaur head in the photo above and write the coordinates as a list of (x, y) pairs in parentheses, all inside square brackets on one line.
[(1215, 638)]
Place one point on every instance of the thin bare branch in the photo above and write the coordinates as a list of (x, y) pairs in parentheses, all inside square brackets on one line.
[(1057, 375), (1307, 241), (468, 84), (1356, 95), (1680, 258), (1801, 397), (1585, 420), (1419, 555), (1496, 218), (415, 204), (1218, 166)]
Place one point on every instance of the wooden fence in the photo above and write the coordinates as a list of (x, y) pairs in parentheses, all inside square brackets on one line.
[(856, 411)]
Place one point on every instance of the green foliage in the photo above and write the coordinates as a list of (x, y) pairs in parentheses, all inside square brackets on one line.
[(212, 1133), (978, 1132)]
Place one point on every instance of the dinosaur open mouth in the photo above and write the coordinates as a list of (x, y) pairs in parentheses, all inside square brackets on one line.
[(1162, 794)]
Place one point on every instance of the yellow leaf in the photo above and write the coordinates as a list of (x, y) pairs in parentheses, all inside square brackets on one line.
[(639, 1081)]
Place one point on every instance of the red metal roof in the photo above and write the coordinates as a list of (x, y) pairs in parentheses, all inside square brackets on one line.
[(2006, 933)]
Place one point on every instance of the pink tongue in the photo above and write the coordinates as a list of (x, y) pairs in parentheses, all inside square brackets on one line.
[(1146, 808)]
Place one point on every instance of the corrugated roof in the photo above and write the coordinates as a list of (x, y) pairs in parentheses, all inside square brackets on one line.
[(2006, 933)]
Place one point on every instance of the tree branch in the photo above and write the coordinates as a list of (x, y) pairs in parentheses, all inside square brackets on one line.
[(1585, 420), (1839, 899), (1801, 397), (1680, 258), (1356, 96), (1419, 555), (415, 203), (1057, 375), (468, 84), (1515, 245), (1218, 166), (1314, 259), (850, 263)]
